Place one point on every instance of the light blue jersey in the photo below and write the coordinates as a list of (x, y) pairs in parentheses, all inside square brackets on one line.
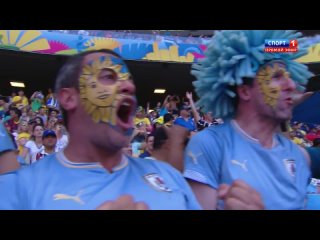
[(5, 140), (314, 195), (222, 154), (56, 183)]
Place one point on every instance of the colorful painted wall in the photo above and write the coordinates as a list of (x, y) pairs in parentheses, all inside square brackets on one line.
[(159, 48), (313, 55), (130, 46)]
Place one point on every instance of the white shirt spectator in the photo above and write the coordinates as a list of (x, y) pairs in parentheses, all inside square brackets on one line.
[(62, 143), (33, 150), (41, 154)]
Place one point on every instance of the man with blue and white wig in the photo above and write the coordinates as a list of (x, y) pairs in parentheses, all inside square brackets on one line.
[(247, 161)]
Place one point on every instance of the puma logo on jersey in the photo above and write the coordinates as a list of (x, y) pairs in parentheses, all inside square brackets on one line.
[(62, 196), (194, 157), (241, 164)]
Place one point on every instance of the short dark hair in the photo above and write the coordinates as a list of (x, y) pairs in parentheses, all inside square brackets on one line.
[(167, 117), (53, 110), (148, 136), (5, 99), (68, 75), (160, 137), (16, 110), (41, 121), (316, 142), (235, 101)]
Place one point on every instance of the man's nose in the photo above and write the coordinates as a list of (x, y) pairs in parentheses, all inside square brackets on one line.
[(127, 87)]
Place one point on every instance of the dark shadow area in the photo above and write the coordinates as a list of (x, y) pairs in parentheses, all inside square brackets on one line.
[(38, 72)]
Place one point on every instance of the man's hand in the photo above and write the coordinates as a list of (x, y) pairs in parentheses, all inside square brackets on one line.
[(177, 136), (240, 196), (177, 133), (189, 95), (300, 97), (124, 202)]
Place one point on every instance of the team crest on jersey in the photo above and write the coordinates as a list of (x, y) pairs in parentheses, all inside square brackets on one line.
[(315, 181), (290, 165), (156, 182)]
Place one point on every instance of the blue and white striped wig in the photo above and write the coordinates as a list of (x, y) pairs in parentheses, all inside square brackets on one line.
[(235, 54)]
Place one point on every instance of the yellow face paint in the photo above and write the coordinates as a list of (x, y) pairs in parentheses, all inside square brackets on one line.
[(99, 87), (265, 76)]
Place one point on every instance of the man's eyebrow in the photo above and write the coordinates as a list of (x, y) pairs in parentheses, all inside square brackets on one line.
[(107, 70)]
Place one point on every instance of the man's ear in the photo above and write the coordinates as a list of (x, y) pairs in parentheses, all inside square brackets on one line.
[(68, 98), (244, 92)]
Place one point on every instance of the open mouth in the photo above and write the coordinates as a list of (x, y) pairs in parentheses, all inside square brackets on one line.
[(289, 101), (125, 111), (103, 96)]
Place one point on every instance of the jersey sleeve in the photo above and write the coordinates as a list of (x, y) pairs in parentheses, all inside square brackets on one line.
[(9, 191), (191, 202), (6, 142), (203, 157)]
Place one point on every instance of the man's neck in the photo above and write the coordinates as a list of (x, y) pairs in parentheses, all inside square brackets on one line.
[(49, 150), (79, 150), (261, 129), (186, 118), (159, 155)]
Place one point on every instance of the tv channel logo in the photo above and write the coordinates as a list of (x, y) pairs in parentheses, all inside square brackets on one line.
[(280, 45)]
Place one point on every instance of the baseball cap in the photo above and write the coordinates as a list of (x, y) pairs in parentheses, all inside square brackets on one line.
[(48, 133), (16, 99)]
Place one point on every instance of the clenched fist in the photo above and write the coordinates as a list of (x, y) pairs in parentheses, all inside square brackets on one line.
[(124, 202), (240, 196)]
